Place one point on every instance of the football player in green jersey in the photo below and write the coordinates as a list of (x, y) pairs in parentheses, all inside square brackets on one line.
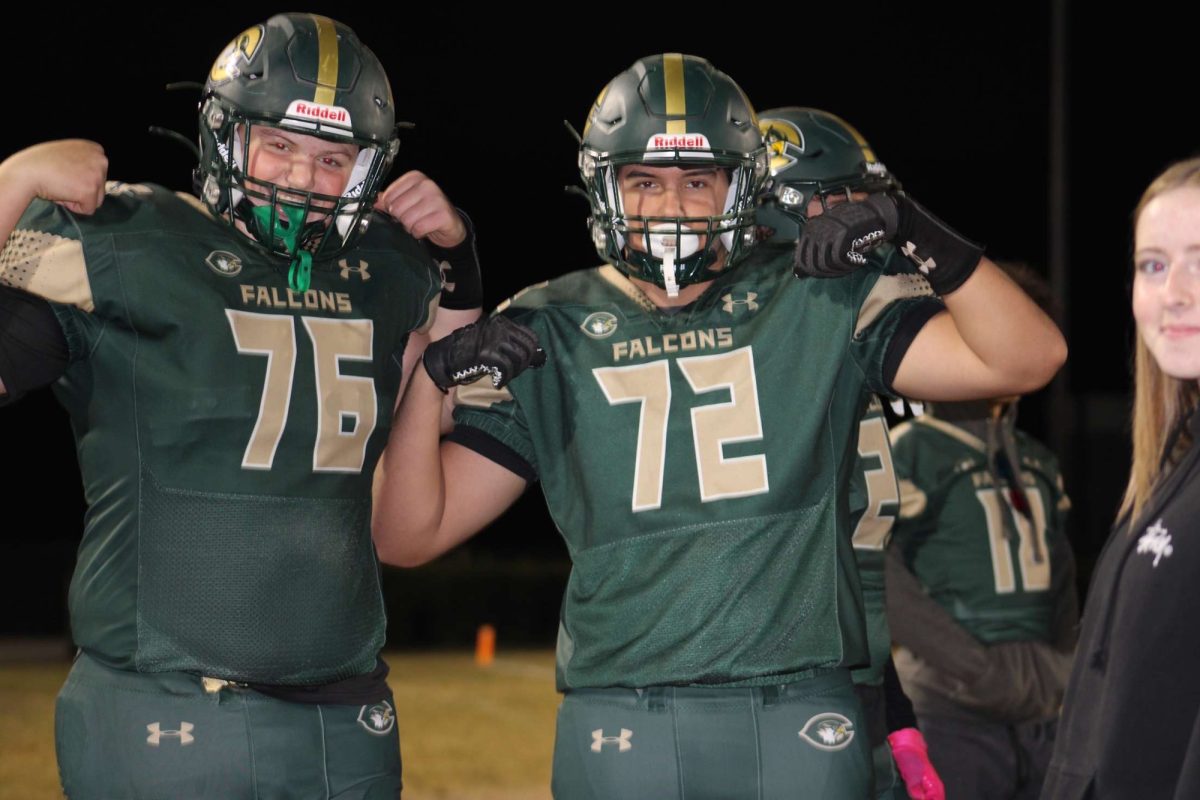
[(230, 365), (981, 590), (694, 433), (818, 160)]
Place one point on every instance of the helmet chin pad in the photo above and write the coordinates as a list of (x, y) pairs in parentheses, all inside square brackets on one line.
[(664, 235)]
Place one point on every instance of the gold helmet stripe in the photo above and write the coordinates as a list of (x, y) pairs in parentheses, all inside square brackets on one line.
[(868, 153), (327, 61), (674, 87)]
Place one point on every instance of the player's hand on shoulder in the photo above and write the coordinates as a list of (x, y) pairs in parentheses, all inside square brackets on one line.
[(495, 346), (835, 243), (70, 172), (419, 204)]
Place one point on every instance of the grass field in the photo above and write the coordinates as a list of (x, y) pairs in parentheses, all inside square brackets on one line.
[(466, 732)]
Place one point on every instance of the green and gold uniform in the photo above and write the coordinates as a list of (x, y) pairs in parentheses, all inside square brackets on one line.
[(988, 631), (227, 430), (874, 502), (697, 464), (954, 536)]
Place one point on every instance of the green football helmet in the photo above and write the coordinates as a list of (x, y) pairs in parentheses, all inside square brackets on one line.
[(814, 154), (665, 111), (311, 75)]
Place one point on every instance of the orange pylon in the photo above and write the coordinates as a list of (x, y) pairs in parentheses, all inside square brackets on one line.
[(485, 646)]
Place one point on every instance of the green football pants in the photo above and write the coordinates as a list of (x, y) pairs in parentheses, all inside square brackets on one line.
[(154, 736), (801, 740)]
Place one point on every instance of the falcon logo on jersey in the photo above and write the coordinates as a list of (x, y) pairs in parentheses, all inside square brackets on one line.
[(183, 734), (1156, 540), (361, 269), (622, 742), (378, 719), (747, 301), (599, 325), (224, 263), (828, 731)]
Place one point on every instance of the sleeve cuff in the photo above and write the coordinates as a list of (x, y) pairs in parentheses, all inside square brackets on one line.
[(908, 328), (492, 449)]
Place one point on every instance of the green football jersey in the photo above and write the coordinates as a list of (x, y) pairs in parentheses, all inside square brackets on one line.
[(993, 578), (227, 430), (697, 463), (874, 502)]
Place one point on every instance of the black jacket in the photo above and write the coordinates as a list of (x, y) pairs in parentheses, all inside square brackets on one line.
[(1131, 719)]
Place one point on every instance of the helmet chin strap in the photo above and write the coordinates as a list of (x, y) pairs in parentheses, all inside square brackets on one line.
[(668, 269), (667, 243), (287, 233)]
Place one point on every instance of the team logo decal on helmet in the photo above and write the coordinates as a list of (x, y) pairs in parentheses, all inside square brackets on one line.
[(785, 140), (311, 75), (814, 155), (672, 110), (237, 53), (828, 731)]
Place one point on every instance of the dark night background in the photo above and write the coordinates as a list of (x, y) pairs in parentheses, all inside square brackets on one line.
[(964, 107)]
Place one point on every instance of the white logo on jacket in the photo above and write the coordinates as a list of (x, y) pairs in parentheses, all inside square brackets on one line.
[(1156, 540)]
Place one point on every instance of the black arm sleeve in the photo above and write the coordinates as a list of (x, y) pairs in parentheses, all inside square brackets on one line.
[(33, 349)]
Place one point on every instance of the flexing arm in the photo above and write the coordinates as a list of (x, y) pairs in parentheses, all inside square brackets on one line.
[(422, 208), (429, 495), (69, 172), (993, 342)]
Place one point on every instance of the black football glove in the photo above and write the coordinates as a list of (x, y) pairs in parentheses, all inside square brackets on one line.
[(496, 346), (835, 242)]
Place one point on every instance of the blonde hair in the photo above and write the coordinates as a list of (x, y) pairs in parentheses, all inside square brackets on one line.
[(1160, 403)]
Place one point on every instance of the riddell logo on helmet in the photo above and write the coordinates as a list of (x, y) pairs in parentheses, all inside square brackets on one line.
[(316, 111), (678, 141)]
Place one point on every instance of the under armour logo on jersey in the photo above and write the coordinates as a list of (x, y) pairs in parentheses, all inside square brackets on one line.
[(748, 302), (378, 719), (1156, 540), (184, 734), (828, 731), (926, 265), (622, 742), (361, 269), (444, 269)]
